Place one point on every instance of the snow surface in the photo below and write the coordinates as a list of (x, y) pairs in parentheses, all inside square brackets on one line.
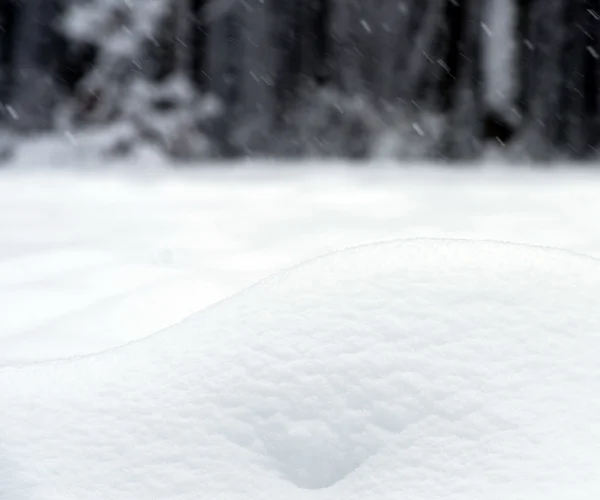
[(423, 369), (95, 259)]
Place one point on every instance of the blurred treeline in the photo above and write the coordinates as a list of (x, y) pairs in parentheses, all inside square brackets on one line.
[(351, 78)]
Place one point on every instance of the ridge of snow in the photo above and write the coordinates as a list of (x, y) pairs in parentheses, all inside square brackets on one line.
[(418, 369)]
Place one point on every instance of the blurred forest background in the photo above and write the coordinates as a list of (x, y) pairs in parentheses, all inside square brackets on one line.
[(443, 79)]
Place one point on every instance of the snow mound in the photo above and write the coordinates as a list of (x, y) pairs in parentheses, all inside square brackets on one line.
[(418, 369)]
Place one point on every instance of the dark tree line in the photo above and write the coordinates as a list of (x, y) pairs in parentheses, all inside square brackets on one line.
[(276, 65), (560, 74)]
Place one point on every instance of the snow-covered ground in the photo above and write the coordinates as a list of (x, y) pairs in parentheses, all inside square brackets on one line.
[(424, 370), (421, 369), (92, 260)]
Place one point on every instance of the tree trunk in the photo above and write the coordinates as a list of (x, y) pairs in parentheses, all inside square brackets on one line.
[(346, 58), (7, 22), (429, 24), (199, 40), (464, 133), (526, 55), (593, 73), (574, 129), (35, 91), (224, 63), (183, 37), (387, 30), (257, 94), (545, 84)]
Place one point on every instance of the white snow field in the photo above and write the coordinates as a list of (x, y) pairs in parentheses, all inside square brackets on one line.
[(94, 259), (422, 369)]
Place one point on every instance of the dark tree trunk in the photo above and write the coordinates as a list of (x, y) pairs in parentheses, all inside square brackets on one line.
[(198, 37), (589, 15), (427, 38), (388, 25), (454, 57), (34, 58), (286, 57), (7, 23), (302, 48), (224, 60), (464, 133), (309, 39), (593, 73), (173, 48), (346, 64), (322, 40), (545, 84), (525, 57), (257, 103), (160, 52), (574, 132)]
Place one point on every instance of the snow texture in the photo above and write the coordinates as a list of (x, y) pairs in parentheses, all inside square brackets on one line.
[(413, 369), (93, 259), (119, 27)]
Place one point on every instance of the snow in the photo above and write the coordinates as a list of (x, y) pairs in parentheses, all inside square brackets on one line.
[(414, 369), (92, 260), (119, 27)]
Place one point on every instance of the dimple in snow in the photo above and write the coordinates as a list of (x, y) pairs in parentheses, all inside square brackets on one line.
[(416, 369)]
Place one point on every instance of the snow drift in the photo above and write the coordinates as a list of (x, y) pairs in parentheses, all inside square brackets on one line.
[(418, 369)]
